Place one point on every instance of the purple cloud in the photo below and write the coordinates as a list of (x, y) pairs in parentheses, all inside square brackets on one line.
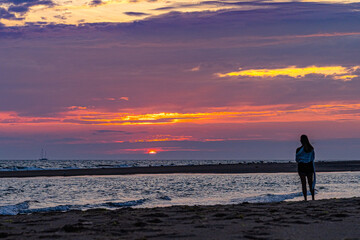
[(20, 7), (5, 14), (136, 13), (95, 3), (112, 132)]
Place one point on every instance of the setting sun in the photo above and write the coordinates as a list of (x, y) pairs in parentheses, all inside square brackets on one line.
[(152, 152)]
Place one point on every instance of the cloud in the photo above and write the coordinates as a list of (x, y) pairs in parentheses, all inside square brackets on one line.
[(112, 99), (95, 3), (211, 5), (45, 69), (194, 69), (112, 132), (149, 66), (136, 13), (65, 140), (331, 111), (137, 1), (203, 9), (60, 17), (27, 2), (5, 14), (20, 7), (76, 108), (164, 8), (204, 21), (162, 138), (337, 72)]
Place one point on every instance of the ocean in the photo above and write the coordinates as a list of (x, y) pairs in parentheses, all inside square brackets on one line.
[(46, 194), (24, 165)]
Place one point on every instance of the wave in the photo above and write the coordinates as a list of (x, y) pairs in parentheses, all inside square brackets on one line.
[(15, 168), (265, 198), (24, 207), (14, 209), (165, 198), (33, 168)]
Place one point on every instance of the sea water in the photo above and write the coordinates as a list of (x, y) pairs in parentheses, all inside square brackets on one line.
[(45, 194), (28, 165)]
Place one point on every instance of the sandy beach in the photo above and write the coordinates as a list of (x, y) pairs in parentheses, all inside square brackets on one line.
[(322, 219), (272, 167)]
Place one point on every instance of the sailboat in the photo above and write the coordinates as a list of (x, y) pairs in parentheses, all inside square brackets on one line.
[(43, 155)]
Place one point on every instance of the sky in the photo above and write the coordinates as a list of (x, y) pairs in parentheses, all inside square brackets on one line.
[(168, 79)]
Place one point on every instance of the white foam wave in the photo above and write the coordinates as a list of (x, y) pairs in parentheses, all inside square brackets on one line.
[(14, 209), (166, 198), (265, 198), (16, 168), (24, 207)]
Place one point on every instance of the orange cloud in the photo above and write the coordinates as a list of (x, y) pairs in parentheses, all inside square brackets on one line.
[(334, 111), (164, 138), (338, 72), (77, 108), (275, 113), (194, 69)]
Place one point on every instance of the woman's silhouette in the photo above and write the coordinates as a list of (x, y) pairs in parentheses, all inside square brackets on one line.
[(305, 156)]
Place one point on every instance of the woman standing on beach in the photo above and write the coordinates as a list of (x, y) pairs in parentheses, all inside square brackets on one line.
[(305, 156)]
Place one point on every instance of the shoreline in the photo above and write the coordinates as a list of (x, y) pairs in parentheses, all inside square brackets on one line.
[(334, 166), (320, 219)]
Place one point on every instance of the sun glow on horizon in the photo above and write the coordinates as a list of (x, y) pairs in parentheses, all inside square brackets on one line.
[(152, 152)]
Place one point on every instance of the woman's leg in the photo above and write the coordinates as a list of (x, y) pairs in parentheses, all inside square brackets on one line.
[(303, 184), (310, 181)]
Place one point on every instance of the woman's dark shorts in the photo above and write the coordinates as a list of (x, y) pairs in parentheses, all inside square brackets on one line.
[(305, 169)]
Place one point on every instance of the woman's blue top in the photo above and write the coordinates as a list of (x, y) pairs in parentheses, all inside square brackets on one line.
[(304, 157)]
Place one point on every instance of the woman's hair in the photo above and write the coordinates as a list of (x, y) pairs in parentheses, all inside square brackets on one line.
[(306, 144)]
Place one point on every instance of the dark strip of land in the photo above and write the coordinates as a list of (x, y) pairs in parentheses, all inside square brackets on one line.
[(338, 166)]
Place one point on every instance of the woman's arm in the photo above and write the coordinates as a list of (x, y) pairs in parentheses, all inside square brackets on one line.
[(296, 155), (313, 155)]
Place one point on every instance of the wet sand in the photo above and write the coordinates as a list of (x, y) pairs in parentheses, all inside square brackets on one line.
[(322, 219), (339, 166)]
